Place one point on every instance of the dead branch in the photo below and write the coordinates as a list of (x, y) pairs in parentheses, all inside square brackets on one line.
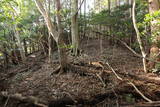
[(6, 102), (128, 82), (104, 85), (114, 71), (147, 99)]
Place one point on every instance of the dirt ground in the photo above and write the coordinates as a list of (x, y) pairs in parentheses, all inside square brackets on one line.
[(34, 78)]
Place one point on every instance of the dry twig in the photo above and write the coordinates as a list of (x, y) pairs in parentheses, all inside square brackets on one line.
[(6, 101), (104, 85), (139, 92)]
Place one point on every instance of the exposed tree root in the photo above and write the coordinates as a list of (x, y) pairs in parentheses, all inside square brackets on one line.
[(119, 89), (82, 70), (56, 71), (127, 78), (74, 69)]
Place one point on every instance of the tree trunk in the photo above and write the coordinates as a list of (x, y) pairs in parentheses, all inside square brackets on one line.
[(61, 44), (74, 27), (85, 24), (57, 35), (6, 61), (116, 3), (138, 36), (119, 2), (154, 5), (20, 46), (33, 47), (25, 46)]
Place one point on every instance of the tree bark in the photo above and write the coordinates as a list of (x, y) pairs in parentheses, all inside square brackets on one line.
[(20, 46), (60, 43), (57, 35), (50, 26), (74, 27)]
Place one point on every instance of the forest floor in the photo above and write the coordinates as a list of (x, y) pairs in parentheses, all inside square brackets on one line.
[(30, 83)]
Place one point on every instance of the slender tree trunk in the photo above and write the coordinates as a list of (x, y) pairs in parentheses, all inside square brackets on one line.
[(6, 61), (57, 35), (109, 27), (138, 36), (119, 2), (60, 43), (17, 36), (74, 27), (130, 3), (33, 47), (19, 43), (49, 49), (25, 46), (85, 24), (49, 38), (116, 3)]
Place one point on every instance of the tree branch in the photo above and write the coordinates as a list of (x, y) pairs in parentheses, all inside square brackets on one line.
[(47, 19), (118, 77)]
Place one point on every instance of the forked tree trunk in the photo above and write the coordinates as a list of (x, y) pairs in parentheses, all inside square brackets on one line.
[(57, 35)]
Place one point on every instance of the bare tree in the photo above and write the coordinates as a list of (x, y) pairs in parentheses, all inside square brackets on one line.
[(57, 35), (138, 36)]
